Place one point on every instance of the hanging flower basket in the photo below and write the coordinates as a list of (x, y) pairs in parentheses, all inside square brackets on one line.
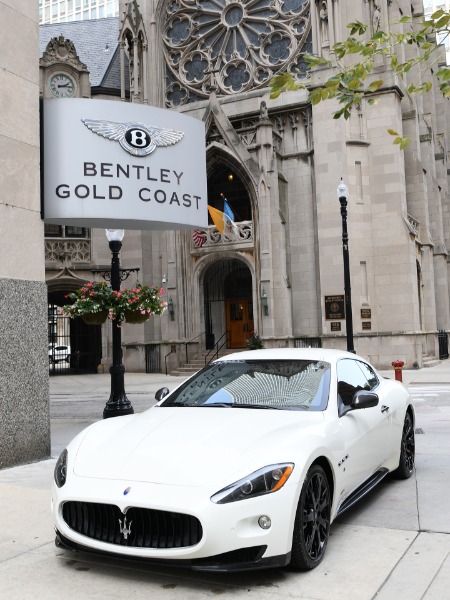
[(96, 301), (136, 317), (91, 302), (137, 304), (96, 318)]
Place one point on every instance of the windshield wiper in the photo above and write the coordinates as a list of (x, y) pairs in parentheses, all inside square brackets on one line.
[(270, 407), (236, 405), (262, 406)]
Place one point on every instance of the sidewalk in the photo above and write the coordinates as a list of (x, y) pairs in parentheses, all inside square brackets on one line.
[(440, 374), (394, 545)]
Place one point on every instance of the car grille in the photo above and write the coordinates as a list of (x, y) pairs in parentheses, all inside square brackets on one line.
[(139, 528)]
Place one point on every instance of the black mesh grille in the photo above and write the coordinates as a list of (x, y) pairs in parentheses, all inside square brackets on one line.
[(139, 528)]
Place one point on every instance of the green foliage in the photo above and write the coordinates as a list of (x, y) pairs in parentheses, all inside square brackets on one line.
[(352, 80), (254, 342)]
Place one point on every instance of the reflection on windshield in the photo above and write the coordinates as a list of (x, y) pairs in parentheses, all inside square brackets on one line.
[(293, 384)]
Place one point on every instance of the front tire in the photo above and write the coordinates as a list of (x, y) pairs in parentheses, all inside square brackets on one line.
[(312, 521), (408, 450)]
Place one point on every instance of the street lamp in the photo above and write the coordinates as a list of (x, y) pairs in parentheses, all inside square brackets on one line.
[(342, 193), (118, 403), (264, 303), (171, 309)]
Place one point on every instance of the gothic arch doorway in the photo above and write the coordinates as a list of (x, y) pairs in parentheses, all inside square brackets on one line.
[(228, 303), (73, 346)]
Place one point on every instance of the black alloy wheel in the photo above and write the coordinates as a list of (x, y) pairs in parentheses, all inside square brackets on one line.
[(312, 521), (408, 450)]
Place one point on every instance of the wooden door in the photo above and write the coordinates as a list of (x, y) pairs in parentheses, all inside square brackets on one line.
[(239, 313)]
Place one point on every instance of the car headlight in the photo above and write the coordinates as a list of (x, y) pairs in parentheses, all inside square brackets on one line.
[(264, 481), (60, 472)]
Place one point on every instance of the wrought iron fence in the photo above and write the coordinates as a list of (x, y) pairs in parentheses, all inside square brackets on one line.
[(306, 342), (152, 358), (443, 344)]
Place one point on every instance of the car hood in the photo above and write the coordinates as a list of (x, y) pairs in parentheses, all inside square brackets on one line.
[(190, 446)]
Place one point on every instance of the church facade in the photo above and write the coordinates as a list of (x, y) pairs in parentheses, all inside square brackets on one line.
[(275, 165)]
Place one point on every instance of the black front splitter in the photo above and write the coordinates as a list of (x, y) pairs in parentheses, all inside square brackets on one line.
[(218, 564)]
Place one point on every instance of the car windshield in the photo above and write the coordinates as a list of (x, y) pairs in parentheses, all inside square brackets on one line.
[(272, 384)]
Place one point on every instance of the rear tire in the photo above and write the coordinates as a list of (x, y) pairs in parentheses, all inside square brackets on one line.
[(312, 521), (408, 450)]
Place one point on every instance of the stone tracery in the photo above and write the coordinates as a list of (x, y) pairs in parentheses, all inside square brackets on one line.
[(231, 46)]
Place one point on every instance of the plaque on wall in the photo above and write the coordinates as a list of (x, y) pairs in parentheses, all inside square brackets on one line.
[(366, 313), (366, 325), (335, 326), (334, 308)]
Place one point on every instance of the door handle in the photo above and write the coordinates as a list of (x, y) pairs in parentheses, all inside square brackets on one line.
[(384, 408)]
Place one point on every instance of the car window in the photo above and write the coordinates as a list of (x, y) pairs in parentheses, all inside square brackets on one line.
[(275, 384), (351, 378), (369, 373)]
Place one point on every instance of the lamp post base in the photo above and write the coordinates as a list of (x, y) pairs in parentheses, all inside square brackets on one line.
[(118, 404), (118, 409)]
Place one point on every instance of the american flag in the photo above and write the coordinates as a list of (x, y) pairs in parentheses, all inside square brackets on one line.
[(199, 238)]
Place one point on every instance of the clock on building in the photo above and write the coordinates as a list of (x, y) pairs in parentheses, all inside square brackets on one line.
[(62, 85)]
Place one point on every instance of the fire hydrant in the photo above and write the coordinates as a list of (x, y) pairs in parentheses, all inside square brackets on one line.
[(398, 366)]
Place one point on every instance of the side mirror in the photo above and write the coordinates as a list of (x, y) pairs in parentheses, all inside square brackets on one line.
[(364, 399), (161, 393)]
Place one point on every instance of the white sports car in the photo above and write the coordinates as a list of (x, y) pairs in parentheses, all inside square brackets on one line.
[(57, 354), (244, 466)]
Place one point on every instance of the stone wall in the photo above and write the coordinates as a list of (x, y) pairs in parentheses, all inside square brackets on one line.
[(24, 423), (24, 387)]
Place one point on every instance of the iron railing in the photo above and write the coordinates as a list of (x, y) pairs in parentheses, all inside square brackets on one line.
[(221, 342), (185, 344)]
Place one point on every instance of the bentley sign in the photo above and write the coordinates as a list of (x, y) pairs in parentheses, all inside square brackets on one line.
[(111, 164)]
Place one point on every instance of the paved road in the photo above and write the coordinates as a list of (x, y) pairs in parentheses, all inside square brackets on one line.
[(395, 545)]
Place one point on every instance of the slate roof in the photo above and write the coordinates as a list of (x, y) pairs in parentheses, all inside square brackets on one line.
[(96, 43)]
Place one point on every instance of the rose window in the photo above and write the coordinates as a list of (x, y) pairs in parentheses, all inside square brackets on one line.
[(231, 46)]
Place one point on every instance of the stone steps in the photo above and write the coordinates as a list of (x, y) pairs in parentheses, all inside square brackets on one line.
[(196, 364), (430, 361)]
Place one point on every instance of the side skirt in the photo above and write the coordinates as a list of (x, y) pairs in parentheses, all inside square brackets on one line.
[(362, 490)]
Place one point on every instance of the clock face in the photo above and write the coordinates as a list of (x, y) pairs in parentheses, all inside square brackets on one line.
[(62, 85)]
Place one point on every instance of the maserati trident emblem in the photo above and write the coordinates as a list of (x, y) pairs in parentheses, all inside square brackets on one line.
[(124, 529), (137, 139)]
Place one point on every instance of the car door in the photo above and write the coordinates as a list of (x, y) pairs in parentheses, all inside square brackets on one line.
[(365, 433)]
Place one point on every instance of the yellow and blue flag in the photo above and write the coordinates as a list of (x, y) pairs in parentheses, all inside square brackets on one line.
[(224, 224), (227, 209)]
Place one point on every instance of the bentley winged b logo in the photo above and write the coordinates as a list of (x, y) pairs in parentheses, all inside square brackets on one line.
[(137, 139), (124, 529)]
